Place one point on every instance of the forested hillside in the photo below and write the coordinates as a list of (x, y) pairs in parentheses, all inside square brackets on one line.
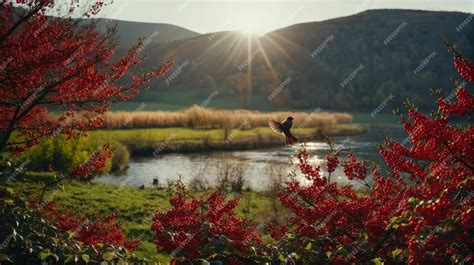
[(381, 47)]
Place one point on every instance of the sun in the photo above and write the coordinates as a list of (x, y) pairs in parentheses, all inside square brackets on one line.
[(252, 28)]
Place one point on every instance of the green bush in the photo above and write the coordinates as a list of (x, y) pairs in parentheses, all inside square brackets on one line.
[(61, 155), (120, 158)]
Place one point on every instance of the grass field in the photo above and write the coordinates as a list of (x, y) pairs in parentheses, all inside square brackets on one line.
[(364, 117), (146, 141), (135, 206)]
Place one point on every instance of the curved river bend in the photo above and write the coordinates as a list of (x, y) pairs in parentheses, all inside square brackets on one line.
[(257, 165)]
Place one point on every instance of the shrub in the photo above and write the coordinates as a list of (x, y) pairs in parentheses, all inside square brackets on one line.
[(120, 158), (36, 234), (203, 229), (61, 155), (231, 174)]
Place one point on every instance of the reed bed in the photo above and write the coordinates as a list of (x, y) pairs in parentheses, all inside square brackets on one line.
[(202, 118)]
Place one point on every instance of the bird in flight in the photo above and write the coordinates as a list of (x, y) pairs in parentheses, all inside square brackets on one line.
[(284, 128)]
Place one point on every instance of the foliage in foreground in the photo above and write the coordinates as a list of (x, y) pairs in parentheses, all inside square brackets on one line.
[(34, 233), (420, 212), (54, 62)]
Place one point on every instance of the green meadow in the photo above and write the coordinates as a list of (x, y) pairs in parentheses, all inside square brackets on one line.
[(135, 206)]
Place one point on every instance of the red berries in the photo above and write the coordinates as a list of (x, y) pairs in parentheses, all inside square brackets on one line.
[(91, 232), (354, 169), (192, 225), (77, 75), (332, 162)]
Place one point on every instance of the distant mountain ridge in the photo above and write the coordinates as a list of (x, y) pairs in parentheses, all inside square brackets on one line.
[(351, 63), (130, 31), (347, 63)]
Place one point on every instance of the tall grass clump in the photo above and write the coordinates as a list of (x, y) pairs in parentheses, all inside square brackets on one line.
[(203, 118)]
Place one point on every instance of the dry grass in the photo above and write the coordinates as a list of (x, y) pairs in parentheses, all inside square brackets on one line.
[(197, 117)]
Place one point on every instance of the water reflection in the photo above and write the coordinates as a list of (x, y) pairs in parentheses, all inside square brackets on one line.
[(208, 166)]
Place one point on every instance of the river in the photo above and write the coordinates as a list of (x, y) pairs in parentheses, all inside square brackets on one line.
[(256, 166)]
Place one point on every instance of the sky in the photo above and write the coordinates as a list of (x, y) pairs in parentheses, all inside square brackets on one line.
[(259, 16)]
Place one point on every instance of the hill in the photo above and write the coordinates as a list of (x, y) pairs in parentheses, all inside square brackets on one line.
[(130, 31), (349, 63)]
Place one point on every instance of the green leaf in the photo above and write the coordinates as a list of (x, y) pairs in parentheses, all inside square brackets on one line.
[(202, 262), (10, 191), (412, 201), (44, 255), (365, 236), (70, 235), (377, 261), (108, 256), (343, 251), (69, 258), (328, 254), (4, 257), (309, 246), (85, 258), (396, 252)]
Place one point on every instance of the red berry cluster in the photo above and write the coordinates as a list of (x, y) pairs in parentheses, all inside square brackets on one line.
[(332, 162), (277, 231), (195, 228), (353, 169), (100, 231)]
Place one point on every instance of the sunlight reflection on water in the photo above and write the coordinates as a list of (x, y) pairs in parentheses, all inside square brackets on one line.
[(167, 167)]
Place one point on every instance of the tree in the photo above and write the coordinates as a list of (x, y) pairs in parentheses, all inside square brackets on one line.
[(60, 63), (63, 64)]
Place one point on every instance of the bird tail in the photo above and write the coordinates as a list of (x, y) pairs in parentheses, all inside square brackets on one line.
[(290, 139)]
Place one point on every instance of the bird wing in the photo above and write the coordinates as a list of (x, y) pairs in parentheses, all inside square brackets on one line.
[(290, 139), (276, 126)]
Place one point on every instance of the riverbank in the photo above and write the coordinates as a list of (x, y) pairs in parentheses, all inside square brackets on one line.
[(61, 155), (149, 142)]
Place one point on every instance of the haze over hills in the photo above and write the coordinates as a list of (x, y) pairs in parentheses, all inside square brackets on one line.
[(347, 63), (130, 31)]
